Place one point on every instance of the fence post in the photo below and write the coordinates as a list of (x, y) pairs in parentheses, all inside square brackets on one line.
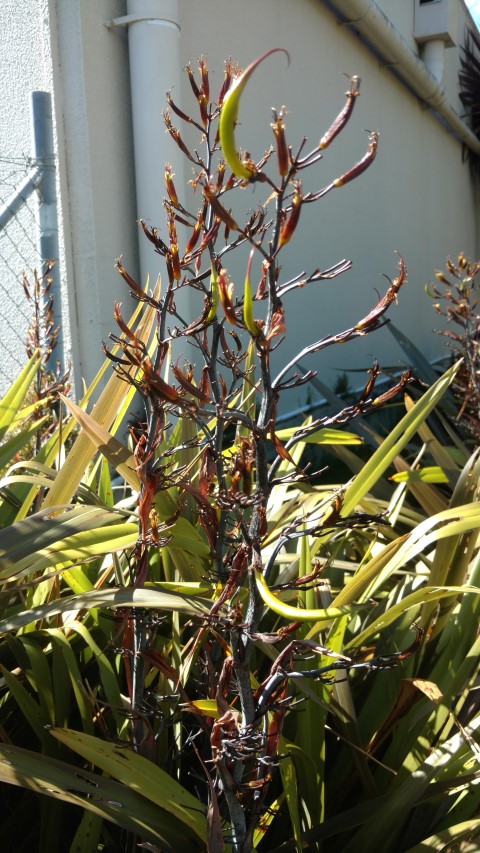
[(47, 223)]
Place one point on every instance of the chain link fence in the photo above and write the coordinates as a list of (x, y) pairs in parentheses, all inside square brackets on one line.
[(28, 237), (18, 255)]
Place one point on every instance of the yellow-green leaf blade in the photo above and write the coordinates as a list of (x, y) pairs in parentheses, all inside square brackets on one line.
[(138, 774)]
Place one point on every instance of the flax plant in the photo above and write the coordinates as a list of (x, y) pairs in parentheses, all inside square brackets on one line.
[(247, 690), (232, 484)]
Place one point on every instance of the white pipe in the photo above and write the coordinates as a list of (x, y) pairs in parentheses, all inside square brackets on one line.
[(433, 55), (386, 40), (154, 48)]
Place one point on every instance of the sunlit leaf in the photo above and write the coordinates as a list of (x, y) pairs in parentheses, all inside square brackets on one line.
[(431, 474), (13, 399), (394, 443), (111, 598), (322, 436), (139, 775), (119, 456), (96, 793)]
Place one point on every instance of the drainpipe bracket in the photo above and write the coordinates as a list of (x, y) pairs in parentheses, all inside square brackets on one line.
[(422, 39), (126, 20)]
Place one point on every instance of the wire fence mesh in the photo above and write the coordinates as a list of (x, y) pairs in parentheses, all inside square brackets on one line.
[(18, 255)]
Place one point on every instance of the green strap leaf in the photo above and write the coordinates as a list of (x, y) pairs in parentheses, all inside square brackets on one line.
[(138, 774), (111, 598), (11, 402), (394, 443), (95, 793), (117, 454)]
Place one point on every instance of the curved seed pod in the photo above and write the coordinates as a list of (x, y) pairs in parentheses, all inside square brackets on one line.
[(195, 234), (250, 323), (225, 292), (362, 164), (228, 119), (283, 158), (374, 315), (213, 296), (193, 84), (202, 67), (219, 210), (343, 116), (170, 186), (291, 223), (227, 81), (298, 614)]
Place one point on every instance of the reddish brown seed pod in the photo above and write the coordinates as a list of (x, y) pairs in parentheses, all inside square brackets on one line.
[(203, 106), (373, 316), (193, 84), (170, 186), (362, 164), (278, 127), (202, 67), (117, 316), (175, 262), (193, 240), (292, 221), (175, 134), (221, 212), (177, 110), (220, 176), (135, 288), (230, 73), (225, 292), (262, 284), (343, 116), (211, 235)]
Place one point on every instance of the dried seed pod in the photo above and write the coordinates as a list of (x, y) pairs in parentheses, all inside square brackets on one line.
[(211, 235), (213, 296), (362, 164), (248, 319), (374, 315), (193, 84), (278, 127), (175, 134), (219, 210), (202, 67), (231, 72), (277, 325), (177, 110), (225, 292), (193, 240), (344, 115), (117, 316), (262, 284), (220, 176), (152, 235), (291, 222), (170, 186)]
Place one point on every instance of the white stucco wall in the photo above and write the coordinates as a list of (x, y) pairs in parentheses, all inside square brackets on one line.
[(417, 198), (92, 96), (25, 66)]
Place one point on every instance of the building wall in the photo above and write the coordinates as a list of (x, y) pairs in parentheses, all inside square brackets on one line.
[(418, 198), (25, 66), (92, 102)]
